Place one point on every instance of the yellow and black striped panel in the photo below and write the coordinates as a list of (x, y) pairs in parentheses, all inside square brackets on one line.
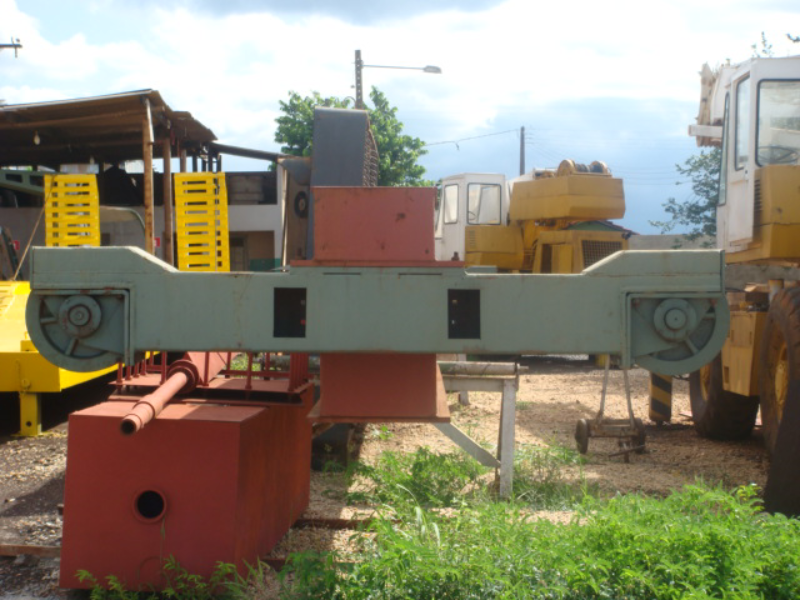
[(660, 397)]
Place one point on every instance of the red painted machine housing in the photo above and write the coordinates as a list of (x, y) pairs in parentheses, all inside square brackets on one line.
[(202, 483), (377, 227)]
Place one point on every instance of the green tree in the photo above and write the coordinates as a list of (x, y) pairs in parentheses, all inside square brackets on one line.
[(398, 152), (296, 126), (698, 213)]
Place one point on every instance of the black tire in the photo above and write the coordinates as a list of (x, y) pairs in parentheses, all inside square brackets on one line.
[(779, 362), (717, 413)]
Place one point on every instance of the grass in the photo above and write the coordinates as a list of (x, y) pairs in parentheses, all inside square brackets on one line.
[(180, 584), (549, 477), (423, 478), (449, 480), (700, 542)]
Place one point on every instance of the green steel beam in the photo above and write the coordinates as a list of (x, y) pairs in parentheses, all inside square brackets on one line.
[(92, 307), (18, 180)]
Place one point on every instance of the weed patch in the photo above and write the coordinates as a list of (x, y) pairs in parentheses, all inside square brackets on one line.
[(423, 478), (699, 542), (549, 477)]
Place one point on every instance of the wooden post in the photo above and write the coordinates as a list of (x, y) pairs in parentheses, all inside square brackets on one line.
[(182, 155), (166, 155), (147, 157)]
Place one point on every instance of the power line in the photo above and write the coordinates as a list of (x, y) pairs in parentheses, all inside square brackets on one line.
[(475, 137)]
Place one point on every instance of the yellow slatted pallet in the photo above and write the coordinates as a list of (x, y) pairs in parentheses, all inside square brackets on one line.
[(201, 218), (72, 210)]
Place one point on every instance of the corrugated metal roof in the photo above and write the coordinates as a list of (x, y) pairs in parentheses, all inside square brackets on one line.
[(104, 128)]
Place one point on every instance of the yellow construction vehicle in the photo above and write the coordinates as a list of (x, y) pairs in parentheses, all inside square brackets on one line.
[(71, 215), (752, 112), (555, 221)]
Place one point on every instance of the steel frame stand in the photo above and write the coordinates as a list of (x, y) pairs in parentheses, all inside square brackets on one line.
[(629, 432), (486, 377), (30, 414)]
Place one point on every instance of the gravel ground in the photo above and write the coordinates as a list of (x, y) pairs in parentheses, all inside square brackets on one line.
[(554, 393)]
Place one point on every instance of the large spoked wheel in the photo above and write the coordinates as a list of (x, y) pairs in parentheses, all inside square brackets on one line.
[(73, 331), (779, 360), (694, 328), (717, 413)]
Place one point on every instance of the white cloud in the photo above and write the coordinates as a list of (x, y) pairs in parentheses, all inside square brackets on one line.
[(515, 61)]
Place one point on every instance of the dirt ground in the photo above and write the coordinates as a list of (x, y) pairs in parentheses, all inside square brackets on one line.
[(554, 393)]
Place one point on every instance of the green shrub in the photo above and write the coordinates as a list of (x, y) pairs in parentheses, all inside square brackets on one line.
[(541, 481), (424, 478), (699, 542)]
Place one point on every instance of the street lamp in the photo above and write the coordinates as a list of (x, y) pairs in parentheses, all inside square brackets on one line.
[(14, 44), (360, 65)]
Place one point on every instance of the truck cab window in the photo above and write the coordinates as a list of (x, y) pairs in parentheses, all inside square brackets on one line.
[(483, 205), (778, 133), (450, 203)]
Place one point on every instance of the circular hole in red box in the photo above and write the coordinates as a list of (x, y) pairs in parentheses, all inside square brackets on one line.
[(150, 505)]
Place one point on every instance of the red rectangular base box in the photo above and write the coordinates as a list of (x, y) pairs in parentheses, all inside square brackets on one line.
[(201, 483), (378, 388)]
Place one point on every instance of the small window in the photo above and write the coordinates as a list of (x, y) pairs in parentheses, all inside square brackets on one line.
[(483, 206), (742, 123), (778, 133), (450, 204)]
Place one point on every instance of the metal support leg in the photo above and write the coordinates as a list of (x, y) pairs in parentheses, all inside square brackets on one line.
[(463, 395), (487, 377), (469, 445), (605, 387), (30, 414), (629, 431), (628, 396), (505, 449)]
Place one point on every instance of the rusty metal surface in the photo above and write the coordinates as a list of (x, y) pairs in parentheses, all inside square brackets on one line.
[(149, 407), (405, 236), (232, 480), (380, 388), (183, 377)]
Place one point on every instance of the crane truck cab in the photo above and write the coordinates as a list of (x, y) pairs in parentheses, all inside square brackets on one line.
[(545, 221), (751, 111), (468, 199)]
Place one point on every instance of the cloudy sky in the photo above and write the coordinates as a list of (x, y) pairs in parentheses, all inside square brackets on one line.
[(614, 81)]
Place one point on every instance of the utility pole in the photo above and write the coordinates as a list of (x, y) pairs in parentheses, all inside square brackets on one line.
[(14, 44), (359, 85), (522, 150)]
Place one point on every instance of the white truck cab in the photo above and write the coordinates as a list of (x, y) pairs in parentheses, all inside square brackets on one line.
[(471, 199), (751, 110)]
